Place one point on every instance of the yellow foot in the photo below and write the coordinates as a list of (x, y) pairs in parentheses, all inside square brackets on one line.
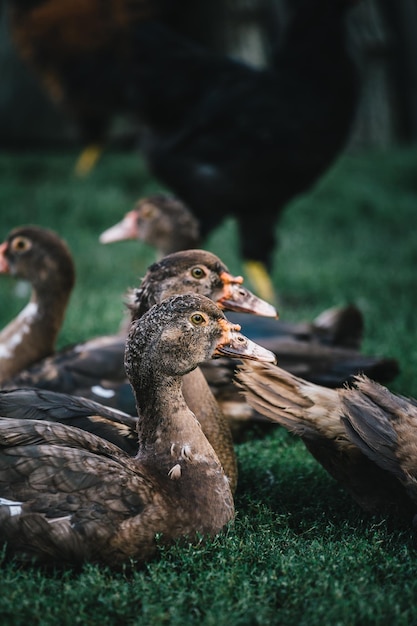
[(260, 280), (87, 160)]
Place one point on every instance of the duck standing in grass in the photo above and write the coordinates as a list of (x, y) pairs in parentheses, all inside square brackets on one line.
[(68, 496)]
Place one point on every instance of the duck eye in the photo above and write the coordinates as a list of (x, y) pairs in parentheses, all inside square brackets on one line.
[(20, 244), (198, 272), (198, 319)]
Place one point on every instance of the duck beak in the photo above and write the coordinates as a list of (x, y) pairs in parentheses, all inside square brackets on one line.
[(4, 266), (235, 297), (126, 229), (233, 344)]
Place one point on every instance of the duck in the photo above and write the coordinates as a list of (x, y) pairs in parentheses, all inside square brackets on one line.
[(160, 220), (361, 433), (95, 369), (327, 366), (165, 223), (84, 365), (92, 502), (41, 257), (325, 350)]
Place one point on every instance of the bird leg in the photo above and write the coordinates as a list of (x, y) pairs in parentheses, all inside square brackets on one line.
[(260, 280), (88, 159)]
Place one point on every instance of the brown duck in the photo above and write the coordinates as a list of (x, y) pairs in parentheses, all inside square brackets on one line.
[(165, 223), (41, 257), (325, 350), (161, 221), (362, 435), (93, 502), (95, 369), (85, 365)]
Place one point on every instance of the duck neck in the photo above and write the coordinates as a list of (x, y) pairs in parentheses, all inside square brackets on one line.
[(32, 334), (167, 427)]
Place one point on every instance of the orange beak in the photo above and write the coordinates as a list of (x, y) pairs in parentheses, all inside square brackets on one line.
[(233, 344), (235, 297)]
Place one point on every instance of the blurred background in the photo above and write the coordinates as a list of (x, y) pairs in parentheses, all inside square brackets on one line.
[(383, 39)]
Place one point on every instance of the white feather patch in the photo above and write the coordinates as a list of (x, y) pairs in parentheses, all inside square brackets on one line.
[(186, 453), (103, 393), (15, 508), (26, 315), (175, 472)]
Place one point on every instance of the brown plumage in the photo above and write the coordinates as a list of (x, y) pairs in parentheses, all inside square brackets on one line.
[(165, 223), (41, 257), (384, 427), (41, 404), (68, 496), (95, 369), (67, 44), (357, 434)]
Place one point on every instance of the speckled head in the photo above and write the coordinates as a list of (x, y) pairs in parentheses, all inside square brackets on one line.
[(196, 271), (185, 330)]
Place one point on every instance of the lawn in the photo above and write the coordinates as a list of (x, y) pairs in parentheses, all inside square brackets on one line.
[(300, 552)]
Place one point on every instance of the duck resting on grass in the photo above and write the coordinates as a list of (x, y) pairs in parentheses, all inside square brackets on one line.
[(363, 435), (68, 496), (95, 369)]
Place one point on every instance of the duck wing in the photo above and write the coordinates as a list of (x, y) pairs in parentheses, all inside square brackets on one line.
[(65, 493), (111, 424)]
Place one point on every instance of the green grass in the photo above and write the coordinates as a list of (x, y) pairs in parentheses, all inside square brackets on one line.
[(300, 552)]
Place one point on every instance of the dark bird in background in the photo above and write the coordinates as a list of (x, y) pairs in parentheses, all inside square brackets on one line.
[(74, 47), (230, 139), (362, 434), (225, 137)]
